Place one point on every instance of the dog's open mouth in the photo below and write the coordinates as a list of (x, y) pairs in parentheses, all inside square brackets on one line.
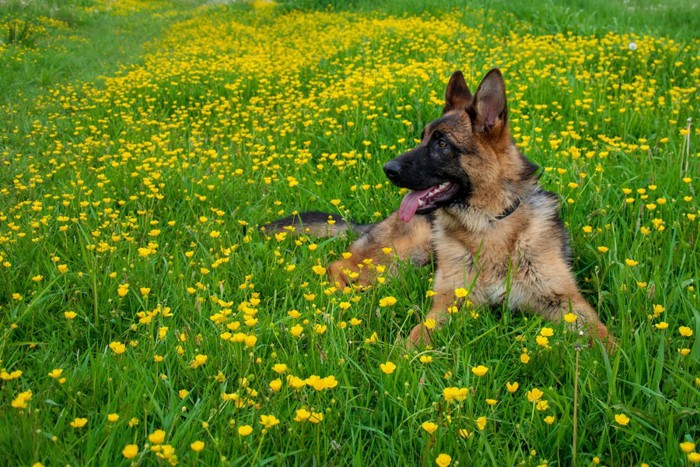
[(426, 200)]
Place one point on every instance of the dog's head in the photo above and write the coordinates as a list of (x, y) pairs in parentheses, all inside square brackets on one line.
[(463, 156)]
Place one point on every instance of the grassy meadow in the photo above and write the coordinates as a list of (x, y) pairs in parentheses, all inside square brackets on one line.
[(145, 319)]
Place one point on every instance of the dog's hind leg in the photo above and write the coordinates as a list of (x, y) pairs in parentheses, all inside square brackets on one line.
[(382, 248)]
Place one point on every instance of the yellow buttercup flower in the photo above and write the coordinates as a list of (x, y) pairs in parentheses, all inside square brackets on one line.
[(443, 460), (388, 367), (79, 422), (622, 419), (130, 451), (117, 347), (430, 427), (157, 437), (197, 446)]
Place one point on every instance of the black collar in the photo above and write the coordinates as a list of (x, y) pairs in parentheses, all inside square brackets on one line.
[(509, 210)]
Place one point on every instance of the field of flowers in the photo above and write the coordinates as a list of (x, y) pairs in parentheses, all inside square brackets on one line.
[(144, 318)]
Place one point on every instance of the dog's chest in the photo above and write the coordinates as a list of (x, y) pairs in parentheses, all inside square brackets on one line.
[(490, 264)]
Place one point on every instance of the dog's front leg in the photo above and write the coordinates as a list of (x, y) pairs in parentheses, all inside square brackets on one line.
[(420, 334), (453, 271)]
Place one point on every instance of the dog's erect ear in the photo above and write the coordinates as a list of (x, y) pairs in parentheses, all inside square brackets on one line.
[(457, 95), (490, 102)]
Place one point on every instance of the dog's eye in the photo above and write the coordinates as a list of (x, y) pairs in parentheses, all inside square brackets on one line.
[(442, 143)]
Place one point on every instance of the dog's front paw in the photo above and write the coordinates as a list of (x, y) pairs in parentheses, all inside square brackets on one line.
[(336, 273), (419, 337)]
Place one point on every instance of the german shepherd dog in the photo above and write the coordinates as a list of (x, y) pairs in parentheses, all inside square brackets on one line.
[(476, 208)]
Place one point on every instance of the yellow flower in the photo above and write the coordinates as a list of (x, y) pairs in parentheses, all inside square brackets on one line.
[(443, 460), (130, 451), (5, 376), (122, 290), (455, 394), (687, 447), (279, 368), (631, 263), (481, 423), (534, 395), (430, 427), (694, 457), (296, 330), (70, 314), (199, 360), (461, 292), (245, 430), (480, 370), (20, 402), (512, 387), (570, 318), (603, 249), (302, 415), (662, 325), (387, 367), (157, 437), (56, 373), (426, 359), (276, 385), (430, 323), (387, 301), (197, 446), (295, 382), (549, 419), (318, 269), (547, 332), (685, 331), (524, 358), (117, 347), (79, 422), (113, 417), (622, 419), (268, 421)]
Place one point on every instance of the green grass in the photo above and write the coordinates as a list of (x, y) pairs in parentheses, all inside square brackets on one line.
[(144, 146)]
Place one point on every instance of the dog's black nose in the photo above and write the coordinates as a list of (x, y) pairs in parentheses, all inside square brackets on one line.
[(392, 169)]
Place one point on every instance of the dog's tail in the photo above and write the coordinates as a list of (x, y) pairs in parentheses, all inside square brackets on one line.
[(316, 224)]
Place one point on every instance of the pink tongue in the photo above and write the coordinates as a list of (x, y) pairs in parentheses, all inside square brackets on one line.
[(409, 204)]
